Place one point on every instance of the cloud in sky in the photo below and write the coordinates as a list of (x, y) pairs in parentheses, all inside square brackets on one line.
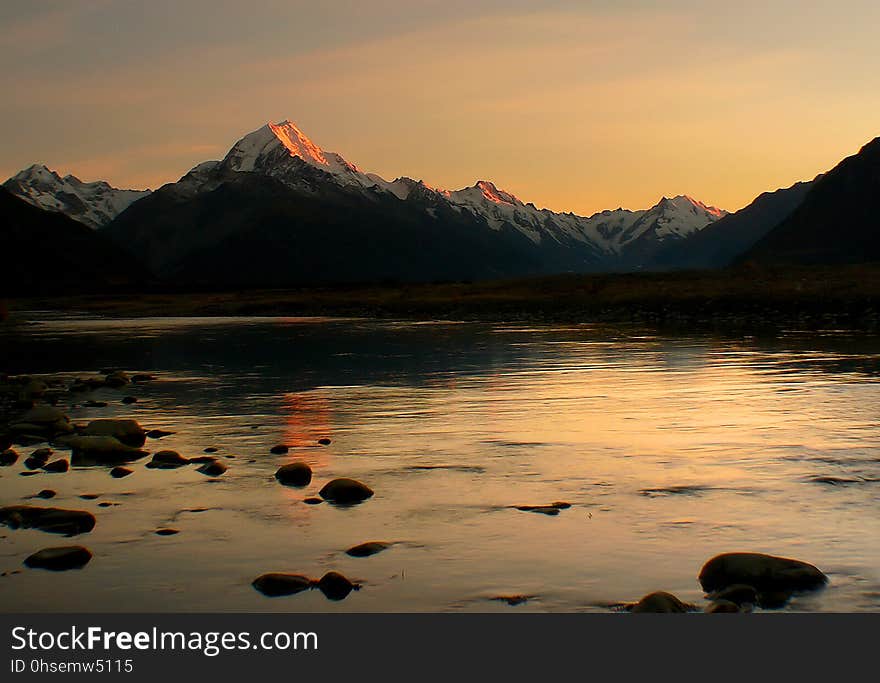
[(576, 106)]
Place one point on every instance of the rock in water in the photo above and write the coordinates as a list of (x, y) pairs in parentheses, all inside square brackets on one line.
[(8, 458), (280, 449), (120, 472), (723, 607), (368, 548), (324, 442), (295, 474), (50, 520), (128, 432), (275, 585), (167, 460), (59, 559), (116, 379), (158, 433), (58, 466), (738, 593), (660, 603), (345, 491), (335, 586), (212, 469), (100, 450), (765, 573)]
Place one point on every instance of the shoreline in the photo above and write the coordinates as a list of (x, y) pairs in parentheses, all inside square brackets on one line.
[(846, 298)]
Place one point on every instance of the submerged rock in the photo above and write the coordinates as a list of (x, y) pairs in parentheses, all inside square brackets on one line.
[(42, 420), (42, 455), (59, 559), (50, 520), (313, 501), (157, 433), (722, 607), (512, 600), (166, 532), (100, 450), (275, 585), (324, 442), (128, 432), (128, 400), (142, 377), (167, 460), (368, 548), (551, 509), (280, 449), (116, 379), (660, 602), (765, 573), (345, 491), (336, 587), (295, 474), (212, 469), (58, 466), (738, 593), (120, 472)]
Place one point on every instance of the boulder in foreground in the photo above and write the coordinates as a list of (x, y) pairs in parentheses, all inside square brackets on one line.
[(50, 520), (274, 585), (765, 573), (59, 559), (294, 474), (345, 491)]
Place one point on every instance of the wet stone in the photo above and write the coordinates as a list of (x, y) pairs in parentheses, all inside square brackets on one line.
[(165, 460), (660, 602), (765, 573), (59, 559), (368, 548), (294, 474), (57, 467), (336, 587), (345, 491), (212, 469), (276, 585), (50, 520)]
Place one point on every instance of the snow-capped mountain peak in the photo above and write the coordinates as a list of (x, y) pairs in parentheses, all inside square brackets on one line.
[(274, 143), (93, 203)]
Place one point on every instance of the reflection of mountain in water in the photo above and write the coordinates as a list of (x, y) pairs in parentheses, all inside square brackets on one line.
[(245, 358)]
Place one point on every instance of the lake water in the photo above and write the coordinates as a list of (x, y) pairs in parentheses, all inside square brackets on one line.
[(669, 449)]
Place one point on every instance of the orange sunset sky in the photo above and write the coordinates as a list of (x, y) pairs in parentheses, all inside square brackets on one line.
[(575, 106)]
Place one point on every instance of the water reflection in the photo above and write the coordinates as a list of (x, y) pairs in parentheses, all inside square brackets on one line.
[(669, 450)]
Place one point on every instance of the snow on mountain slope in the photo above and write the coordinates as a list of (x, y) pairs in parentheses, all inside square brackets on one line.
[(672, 218), (283, 151), (95, 203)]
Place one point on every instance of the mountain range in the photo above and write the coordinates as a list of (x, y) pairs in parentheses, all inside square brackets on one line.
[(278, 210)]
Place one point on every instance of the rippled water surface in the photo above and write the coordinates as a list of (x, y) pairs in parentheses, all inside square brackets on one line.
[(669, 449)]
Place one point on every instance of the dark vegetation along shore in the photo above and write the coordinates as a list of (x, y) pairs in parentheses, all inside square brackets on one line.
[(805, 297), (33, 420)]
